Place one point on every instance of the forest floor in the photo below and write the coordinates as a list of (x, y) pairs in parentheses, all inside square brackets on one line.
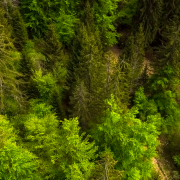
[(164, 164)]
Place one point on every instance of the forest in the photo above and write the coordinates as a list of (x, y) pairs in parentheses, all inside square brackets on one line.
[(89, 89)]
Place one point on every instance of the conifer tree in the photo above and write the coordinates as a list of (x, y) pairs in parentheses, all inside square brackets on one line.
[(19, 33), (170, 9), (80, 102), (169, 52), (135, 54), (90, 68), (104, 168), (149, 14), (56, 63), (9, 59), (105, 16), (75, 152), (15, 161), (132, 141)]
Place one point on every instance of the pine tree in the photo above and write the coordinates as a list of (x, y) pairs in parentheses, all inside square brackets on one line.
[(149, 14)]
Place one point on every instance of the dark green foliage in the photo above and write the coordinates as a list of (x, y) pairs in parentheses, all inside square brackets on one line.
[(56, 63), (19, 32), (170, 10), (149, 14), (127, 10), (169, 52), (70, 69), (31, 62), (35, 19), (135, 54), (9, 60), (89, 69)]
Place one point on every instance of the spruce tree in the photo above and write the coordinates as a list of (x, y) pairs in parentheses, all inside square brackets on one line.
[(19, 32), (56, 63), (9, 59), (135, 54), (168, 53), (90, 69), (149, 14)]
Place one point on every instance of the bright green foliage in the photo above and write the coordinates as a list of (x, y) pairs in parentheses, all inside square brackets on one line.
[(164, 95), (149, 14), (76, 153), (65, 26), (15, 162), (39, 14), (41, 136), (132, 141), (45, 84), (105, 17), (104, 168)]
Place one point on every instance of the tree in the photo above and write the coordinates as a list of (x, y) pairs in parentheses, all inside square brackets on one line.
[(76, 152), (89, 67), (31, 62), (132, 141), (10, 93), (135, 55), (168, 53), (15, 162), (19, 32), (104, 168), (149, 15), (105, 16), (56, 63), (41, 137), (80, 104)]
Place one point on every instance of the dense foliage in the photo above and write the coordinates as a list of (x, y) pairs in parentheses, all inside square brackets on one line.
[(71, 106)]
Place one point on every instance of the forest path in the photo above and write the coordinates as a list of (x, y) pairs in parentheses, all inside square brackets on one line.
[(116, 51), (164, 164)]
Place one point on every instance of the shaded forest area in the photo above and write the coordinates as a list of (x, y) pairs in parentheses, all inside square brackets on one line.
[(89, 89)]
